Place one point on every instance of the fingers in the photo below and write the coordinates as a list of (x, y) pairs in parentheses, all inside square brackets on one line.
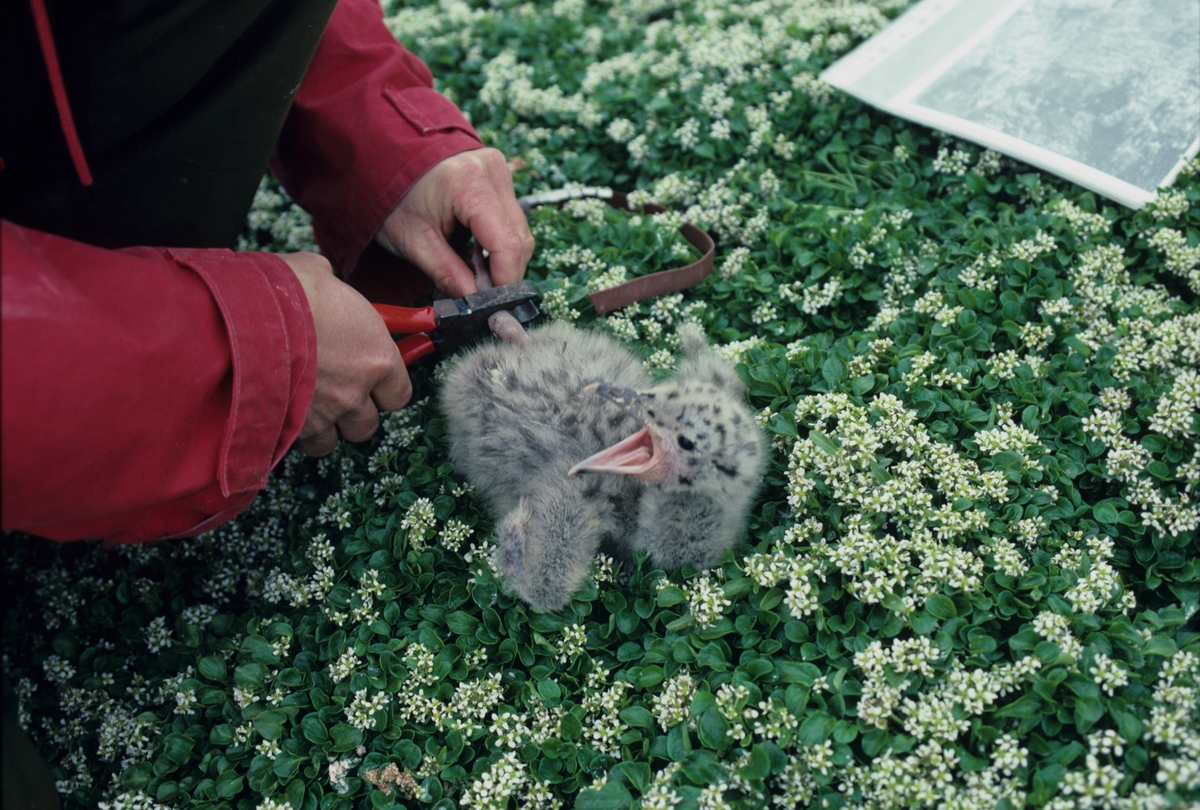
[(394, 389), (472, 188), (359, 425), (354, 422), (320, 444), (359, 369), (428, 249), (353, 407), (329, 418), (498, 223)]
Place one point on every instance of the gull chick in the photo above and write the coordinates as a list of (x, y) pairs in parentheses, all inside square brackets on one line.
[(578, 451)]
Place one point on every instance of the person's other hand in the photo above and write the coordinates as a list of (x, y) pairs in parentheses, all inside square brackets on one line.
[(472, 188), (359, 370)]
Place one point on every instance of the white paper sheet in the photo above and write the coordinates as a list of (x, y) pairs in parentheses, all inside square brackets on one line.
[(1105, 93)]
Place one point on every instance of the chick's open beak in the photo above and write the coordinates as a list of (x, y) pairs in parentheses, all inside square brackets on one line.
[(639, 455)]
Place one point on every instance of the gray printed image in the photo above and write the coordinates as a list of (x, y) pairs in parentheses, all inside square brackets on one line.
[(1113, 84)]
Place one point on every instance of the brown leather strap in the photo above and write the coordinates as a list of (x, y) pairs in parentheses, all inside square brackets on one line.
[(664, 281)]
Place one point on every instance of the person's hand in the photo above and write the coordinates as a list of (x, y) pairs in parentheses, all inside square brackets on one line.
[(359, 370), (472, 188)]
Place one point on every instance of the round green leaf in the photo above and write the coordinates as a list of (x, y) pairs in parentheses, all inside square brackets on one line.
[(941, 606)]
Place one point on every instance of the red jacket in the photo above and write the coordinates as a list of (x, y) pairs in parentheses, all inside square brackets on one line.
[(147, 392)]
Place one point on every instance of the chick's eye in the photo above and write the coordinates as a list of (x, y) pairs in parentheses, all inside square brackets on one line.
[(686, 443)]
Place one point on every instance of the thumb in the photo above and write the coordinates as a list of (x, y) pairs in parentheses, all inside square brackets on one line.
[(430, 251)]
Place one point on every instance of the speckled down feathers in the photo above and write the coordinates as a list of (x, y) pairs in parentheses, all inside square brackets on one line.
[(519, 419)]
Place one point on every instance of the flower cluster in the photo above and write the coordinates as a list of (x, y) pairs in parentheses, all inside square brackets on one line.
[(915, 561), (672, 705), (1130, 462), (501, 781), (362, 710), (573, 643), (706, 600)]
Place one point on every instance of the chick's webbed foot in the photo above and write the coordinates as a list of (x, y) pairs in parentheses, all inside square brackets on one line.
[(545, 546)]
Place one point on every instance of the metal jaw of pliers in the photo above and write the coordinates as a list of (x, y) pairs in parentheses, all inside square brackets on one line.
[(452, 322)]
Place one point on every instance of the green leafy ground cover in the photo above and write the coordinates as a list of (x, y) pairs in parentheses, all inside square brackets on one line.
[(970, 576)]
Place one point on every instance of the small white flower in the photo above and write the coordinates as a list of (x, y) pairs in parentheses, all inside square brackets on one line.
[(621, 130)]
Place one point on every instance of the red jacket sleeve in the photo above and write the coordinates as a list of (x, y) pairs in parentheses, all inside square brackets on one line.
[(147, 392), (365, 125)]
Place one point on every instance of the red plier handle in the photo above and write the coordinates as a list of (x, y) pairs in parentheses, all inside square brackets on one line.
[(416, 323)]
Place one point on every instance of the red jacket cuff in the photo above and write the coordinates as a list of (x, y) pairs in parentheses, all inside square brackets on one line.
[(146, 392), (273, 344)]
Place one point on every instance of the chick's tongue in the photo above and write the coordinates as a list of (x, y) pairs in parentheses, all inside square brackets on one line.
[(637, 455)]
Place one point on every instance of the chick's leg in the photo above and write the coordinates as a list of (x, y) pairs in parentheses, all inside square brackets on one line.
[(505, 326), (546, 544)]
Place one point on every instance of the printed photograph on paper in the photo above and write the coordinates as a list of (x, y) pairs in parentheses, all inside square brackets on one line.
[(1105, 93)]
